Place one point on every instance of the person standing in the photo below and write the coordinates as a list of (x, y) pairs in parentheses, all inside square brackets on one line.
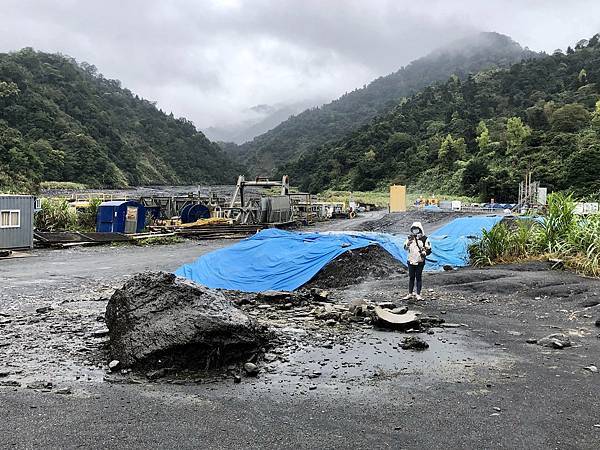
[(418, 247)]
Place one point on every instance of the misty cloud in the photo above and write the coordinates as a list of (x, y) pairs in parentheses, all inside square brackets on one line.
[(212, 61)]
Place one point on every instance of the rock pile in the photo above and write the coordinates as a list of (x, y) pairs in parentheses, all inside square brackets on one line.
[(158, 320), (557, 341)]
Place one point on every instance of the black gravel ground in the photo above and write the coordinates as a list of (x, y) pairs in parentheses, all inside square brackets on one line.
[(482, 383)]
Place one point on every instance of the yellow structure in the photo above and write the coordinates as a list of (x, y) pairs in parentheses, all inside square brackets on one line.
[(397, 198)]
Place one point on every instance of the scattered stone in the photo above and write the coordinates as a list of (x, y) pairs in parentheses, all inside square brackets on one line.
[(273, 296), (4, 373), (156, 374), (531, 341), (114, 365), (557, 341), (237, 379), (597, 323), (251, 369), (10, 383), (413, 343), (431, 321), (40, 385), (64, 391), (358, 308), (320, 295), (270, 357), (400, 310), (102, 332), (44, 309), (331, 322), (592, 368), (386, 305), (451, 325), (327, 312), (157, 316), (386, 319), (312, 387)]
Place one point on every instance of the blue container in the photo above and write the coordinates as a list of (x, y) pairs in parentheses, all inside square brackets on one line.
[(121, 217)]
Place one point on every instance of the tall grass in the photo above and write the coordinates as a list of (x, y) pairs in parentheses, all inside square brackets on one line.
[(56, 215), (62, 185), (562, 234), (86, 219), (503, 243), (559, 223)]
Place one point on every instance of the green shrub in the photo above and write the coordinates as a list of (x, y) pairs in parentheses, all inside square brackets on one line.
[(87, 216), (562, 234), (55, 215), (503, 243), (62, 185), (559, 222), (581, 248)]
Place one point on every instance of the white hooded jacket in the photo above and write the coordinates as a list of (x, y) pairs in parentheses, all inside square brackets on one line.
[(418, 246)]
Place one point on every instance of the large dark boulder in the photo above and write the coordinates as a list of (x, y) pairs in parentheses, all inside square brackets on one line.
[(157, 319)]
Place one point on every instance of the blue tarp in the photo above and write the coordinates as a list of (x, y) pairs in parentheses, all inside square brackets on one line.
[(450, 243), (281, 260)]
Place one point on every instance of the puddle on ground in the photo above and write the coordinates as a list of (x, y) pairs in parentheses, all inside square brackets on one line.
[(452, 355)]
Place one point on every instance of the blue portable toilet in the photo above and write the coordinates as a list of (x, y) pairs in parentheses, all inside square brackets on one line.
[(121, 217)]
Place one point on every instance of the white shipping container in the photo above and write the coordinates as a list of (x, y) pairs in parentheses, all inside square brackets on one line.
[(542, 195)]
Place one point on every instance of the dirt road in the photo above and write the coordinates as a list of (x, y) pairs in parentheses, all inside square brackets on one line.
[(480, 384)]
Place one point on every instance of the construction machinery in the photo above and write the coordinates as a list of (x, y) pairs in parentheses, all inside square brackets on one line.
[(271, 209)]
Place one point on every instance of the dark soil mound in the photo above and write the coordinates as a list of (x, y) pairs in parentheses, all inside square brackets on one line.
[(355, 266)]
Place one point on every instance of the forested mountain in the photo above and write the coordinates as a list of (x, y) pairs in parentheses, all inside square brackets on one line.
[(63, 121), (330, 122), (478, 136)]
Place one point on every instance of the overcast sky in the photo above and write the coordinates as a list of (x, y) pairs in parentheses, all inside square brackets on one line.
[(213, 60)]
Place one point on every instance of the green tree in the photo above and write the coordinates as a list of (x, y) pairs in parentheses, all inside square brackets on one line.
[(516, 133), (451, 151), (583, 168), (483, 136), (596, 116), (8, 89), (570, 118), (473, 178)]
